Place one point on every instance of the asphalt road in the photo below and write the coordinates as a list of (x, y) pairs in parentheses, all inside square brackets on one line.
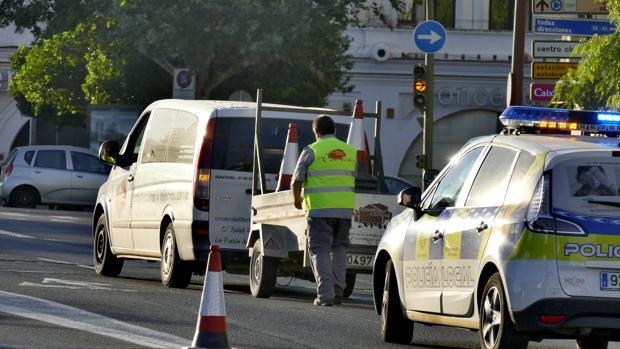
[(50, 297)]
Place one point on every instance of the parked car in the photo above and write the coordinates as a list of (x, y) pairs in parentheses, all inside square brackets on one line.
[(51, 175), (396, 184), (517, 237)]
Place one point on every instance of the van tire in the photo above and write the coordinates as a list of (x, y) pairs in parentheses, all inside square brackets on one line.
[(263, 272), (348, 291), (106, 263), (592, 343), (24, 197), (496, 327), (174, 272), (395, 326)]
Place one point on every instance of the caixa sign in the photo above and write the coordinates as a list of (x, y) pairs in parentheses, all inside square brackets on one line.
[(540, 92), (5, 77)]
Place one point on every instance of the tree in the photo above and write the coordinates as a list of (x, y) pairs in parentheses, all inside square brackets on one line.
[(295, 50), (595, 83)]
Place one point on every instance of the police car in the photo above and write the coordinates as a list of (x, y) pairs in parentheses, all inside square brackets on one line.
[(518, 237)]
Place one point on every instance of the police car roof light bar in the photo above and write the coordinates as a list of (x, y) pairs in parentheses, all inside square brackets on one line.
[(552, 120)]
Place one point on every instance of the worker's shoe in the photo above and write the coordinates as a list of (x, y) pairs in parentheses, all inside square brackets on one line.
[(328, 303), (338, 291)]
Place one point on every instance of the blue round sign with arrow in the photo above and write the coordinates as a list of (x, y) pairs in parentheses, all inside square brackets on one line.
[(429, 36)]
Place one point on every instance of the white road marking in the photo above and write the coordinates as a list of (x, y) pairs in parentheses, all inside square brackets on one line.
[(72, 285), (67, 263), (66, 316), (15, 235)]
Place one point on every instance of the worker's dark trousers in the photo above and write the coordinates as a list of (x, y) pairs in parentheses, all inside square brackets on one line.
[(329, 239)]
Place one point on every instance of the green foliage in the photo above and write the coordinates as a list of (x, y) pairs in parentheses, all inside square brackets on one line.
[(123, 52), (595, 83)]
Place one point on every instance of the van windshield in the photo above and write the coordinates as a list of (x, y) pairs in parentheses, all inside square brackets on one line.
[(587, 186), (233, 145)]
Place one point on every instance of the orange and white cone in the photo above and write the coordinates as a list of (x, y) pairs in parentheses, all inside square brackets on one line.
[(211, 325), (289, 159), (356, 138)]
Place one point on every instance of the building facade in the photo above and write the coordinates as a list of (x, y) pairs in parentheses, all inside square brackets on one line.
[(14, 127), (470, 78)]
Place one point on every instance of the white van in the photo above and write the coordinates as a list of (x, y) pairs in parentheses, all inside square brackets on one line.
[(182, 181)]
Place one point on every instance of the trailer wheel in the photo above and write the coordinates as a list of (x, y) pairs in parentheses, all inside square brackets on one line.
[(348, 291), (263, 272)]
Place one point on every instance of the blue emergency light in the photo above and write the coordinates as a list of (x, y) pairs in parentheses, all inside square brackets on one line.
[(561, 120)]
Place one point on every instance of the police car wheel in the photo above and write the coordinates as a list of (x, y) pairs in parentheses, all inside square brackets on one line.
[(395, 327), (592, 343), (496, 327), (105, 262), (263, 272), (174, 272)]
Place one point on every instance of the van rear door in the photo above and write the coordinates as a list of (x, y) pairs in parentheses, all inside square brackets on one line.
[(231, 168), (586, 203)]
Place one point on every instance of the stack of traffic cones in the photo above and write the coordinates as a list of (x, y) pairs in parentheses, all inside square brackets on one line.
[(289, 159), (211, 325), (357, 139)]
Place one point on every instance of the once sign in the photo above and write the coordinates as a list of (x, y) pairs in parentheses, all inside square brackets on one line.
[(553, 49), (551, 71), (541, 92), (569, 6)]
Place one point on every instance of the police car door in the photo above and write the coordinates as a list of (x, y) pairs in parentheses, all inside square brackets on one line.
[(469, 229), (424, 243)]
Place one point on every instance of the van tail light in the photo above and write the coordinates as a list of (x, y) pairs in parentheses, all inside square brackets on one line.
[(539, 217), (203, 170)]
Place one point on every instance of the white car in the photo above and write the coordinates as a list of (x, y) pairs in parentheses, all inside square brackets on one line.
[(518, 237), (51, 175)]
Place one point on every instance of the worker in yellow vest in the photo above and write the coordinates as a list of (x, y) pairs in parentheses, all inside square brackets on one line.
[(326, 171)]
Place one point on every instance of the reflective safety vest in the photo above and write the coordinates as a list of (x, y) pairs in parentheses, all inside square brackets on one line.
[(330, 180)]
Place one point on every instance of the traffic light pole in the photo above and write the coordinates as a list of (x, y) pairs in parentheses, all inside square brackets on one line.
[(427, 132)]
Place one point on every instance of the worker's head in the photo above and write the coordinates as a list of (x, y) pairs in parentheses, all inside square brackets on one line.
[(323, 125)]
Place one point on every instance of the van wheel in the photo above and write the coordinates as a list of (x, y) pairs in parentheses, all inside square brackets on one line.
[(592, 343), (348, 291), (263, 272), (395, 326), (174, 272), (496, 327), (24, 197), (106, 263)]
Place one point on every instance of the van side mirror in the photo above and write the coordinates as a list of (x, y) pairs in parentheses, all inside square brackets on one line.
[(410, 197), (108, 152)]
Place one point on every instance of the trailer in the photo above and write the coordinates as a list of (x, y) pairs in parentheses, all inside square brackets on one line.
[(278, 237)]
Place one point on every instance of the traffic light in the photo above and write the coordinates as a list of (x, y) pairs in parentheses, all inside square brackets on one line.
[(420, 161), (419, 86)]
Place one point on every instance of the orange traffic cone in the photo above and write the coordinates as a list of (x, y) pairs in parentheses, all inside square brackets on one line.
[(211, 325), (356, 138), (289, 159)]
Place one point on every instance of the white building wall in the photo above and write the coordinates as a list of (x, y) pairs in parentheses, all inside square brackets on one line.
[(470, 74), (11, 120)]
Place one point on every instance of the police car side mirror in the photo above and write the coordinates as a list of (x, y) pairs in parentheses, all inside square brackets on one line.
[(410, 197), (108, 152)]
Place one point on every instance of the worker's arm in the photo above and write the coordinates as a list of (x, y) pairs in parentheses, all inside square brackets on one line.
[(299, 175), (296, 187)]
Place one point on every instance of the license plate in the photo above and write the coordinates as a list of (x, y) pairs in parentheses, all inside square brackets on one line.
[(359, 259), (610, 281)]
